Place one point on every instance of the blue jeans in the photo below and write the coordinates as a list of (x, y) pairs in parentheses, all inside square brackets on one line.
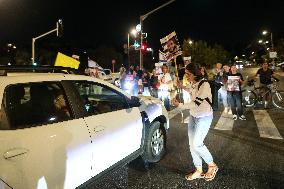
[(235, 98), (197, 131), (222, 92)]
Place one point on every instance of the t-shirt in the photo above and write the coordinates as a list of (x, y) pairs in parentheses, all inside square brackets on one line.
[(265, 76), (233, 82), (166, 78)]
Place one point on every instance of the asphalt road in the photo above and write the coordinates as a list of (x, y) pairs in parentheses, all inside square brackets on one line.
[(250, 154)]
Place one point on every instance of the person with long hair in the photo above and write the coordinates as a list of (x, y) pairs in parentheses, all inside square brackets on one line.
[(200, 119)]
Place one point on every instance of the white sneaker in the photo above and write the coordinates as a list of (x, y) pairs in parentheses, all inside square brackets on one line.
[(230, 111), (242, 117), (235, 117)]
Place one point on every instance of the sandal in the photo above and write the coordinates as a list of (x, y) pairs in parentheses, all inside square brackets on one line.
[(194, 175), (211, 173)]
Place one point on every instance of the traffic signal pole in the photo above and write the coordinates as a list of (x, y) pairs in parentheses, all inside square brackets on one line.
[(57, 30), (142, 18)]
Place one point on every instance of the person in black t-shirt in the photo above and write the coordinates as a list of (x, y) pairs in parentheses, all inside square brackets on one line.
[(265, 76), (234, 92)]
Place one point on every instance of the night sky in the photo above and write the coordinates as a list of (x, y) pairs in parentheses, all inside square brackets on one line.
[(233, 24)]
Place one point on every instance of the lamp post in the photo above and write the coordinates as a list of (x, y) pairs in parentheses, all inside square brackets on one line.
[(264, 32), (142, 18), (58, 30), (133, 32)]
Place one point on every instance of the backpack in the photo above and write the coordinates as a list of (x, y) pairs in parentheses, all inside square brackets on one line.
[(214, 86)]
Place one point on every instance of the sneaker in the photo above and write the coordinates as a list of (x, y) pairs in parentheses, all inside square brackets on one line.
[(230, 111), (242, 117), (235, 117)]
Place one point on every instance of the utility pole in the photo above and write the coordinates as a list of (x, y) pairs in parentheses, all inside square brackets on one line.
[(142, 18), (59, 33)]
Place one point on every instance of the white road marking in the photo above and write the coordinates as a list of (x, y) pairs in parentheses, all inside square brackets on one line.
[(265, 125), (225, 122)]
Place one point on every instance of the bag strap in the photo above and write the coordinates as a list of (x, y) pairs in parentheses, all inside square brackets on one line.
[(201, 99)]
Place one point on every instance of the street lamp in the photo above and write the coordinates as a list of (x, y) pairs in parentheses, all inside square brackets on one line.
[(142, 18), (264, 32), (190, 42)]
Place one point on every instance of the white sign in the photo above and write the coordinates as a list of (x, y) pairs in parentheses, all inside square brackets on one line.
[(272, 54)]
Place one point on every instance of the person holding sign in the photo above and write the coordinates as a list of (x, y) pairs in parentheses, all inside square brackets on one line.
[(234, 82)]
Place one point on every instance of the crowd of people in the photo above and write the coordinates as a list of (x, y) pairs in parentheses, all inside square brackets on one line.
[(191, 87)]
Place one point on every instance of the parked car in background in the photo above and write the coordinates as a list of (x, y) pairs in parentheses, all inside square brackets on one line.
[(64, 130), (112, 77), (281, 65)]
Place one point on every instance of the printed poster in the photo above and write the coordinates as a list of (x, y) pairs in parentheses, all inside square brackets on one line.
[(171, 46), (233, 83)]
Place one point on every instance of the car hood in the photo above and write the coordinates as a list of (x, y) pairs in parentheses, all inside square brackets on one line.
[(153, 107)]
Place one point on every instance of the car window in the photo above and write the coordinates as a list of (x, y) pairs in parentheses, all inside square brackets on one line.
[(99, 99), (33, 104)]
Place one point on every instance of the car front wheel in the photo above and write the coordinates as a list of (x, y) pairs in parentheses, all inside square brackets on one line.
[(155, 143)]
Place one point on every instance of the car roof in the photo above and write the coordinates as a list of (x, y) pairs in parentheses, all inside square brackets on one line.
[(25, 77)]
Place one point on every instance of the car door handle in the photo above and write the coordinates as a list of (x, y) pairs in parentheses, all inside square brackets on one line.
[(99, 128), (15, 152)]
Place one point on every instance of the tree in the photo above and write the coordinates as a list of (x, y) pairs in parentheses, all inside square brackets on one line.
[(201, 52)]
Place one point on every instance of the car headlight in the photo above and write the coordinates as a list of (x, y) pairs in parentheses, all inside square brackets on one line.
[(128, 85)]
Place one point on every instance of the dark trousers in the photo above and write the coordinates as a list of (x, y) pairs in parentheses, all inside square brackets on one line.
[(235, 99)]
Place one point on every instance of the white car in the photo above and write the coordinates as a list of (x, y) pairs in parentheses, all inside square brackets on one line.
[(63, 131)]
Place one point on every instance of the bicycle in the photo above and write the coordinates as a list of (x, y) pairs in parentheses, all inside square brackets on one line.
[(255, 95)]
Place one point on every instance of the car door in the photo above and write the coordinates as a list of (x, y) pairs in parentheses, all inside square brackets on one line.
[(42, 146), (116, 129)]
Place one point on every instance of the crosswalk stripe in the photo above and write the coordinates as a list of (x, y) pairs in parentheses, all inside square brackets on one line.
[(265, 125), (225, 122)]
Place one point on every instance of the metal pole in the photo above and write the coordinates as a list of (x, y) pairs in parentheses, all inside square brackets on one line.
[(143, 17), (33, 50), (128, 59), (141, 40), (35, 38), (272, 46)]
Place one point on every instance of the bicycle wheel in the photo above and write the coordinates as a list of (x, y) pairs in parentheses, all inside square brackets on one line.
[(278, 99), (249, 98)]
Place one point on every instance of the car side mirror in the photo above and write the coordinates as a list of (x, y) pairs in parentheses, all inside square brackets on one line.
[(135, 101)]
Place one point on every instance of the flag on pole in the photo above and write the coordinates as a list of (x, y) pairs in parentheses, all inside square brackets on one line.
[(66, 61)]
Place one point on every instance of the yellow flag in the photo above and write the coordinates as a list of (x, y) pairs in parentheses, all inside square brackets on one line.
[(66, 61)]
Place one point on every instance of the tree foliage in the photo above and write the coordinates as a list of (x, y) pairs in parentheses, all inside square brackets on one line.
[(201, 52)]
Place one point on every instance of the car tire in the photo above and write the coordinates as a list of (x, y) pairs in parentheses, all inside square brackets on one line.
[(154, 143)]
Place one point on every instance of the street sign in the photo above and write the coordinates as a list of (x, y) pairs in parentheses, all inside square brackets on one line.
[(273, 54)]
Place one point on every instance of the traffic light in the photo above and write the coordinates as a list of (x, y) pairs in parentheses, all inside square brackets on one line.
[(144, 47), (59, 26)]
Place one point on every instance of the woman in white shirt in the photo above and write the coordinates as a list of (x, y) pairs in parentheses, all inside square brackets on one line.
[(165, 80), (201, 116)]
